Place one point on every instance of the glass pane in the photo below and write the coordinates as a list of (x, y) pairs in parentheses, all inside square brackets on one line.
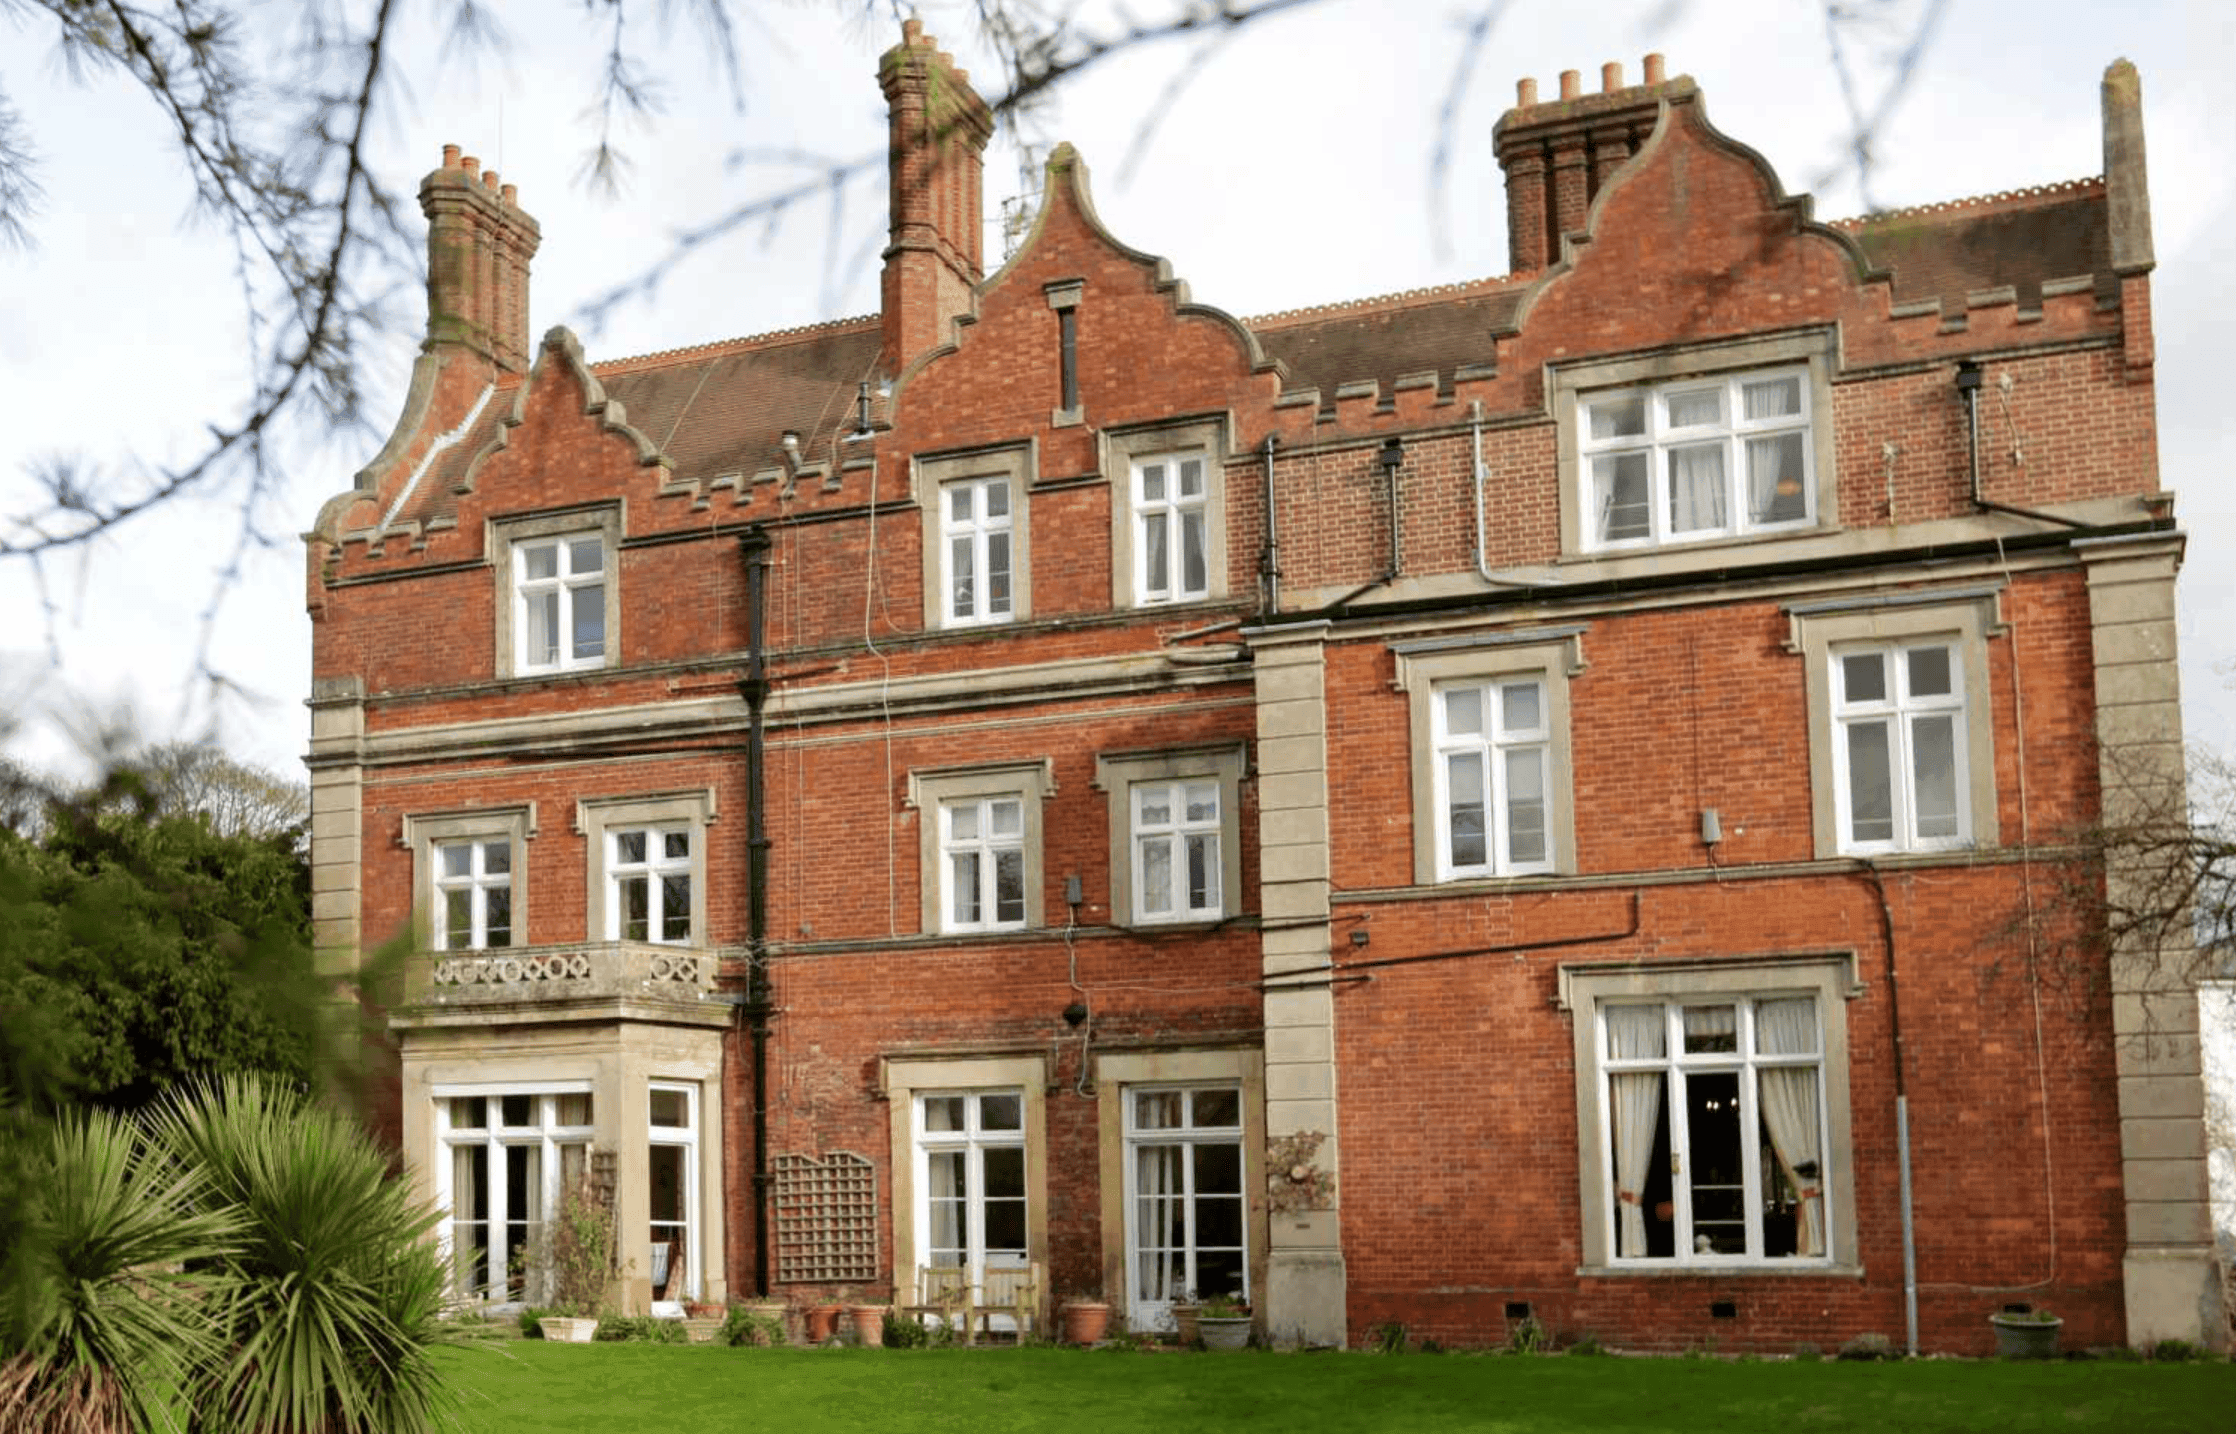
[(1619, 485), (543, 628), (675, 908), (1009, 886), (1786, 1026), (541, 560), (1711, 1030), (1203, 801), (997, 574), (997, 499), (1697, 488), (1001, 1112), (1525, 805), (1217, 1107), (961, 587), (1156, 874), (496, 857), (1194, 566), (1157, 1109), (1005, 818), (1619, 417), (458, 920), (1863, 677), (943, 1112), (1637, 1032), (666, 1185), (960, 499), (1191, 478), (1719, 1193), (676, 845), (586, 555), (1154, 537), (636, 908), (1005, 1224), (1690, 410), (1218, 1219), (1463, 775), (1203, 872), (1153, 482), (1521, 707), (1870, 785), (669, 1107), (1929, 671), (1772, 398), (458, 859), (574, 1109), (589, 634), (468, 1112), (517, 1110), (497, 909), (1220, 1271), (962, 821), (629, 847), (1933, 749), (962, 883), (1463, 711), (1004, 1173), (1775, 473), (1218, 1169)]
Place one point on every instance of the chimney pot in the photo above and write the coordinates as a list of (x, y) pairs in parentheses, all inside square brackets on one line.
[(471, 165), (1572, 85), (1610, 77), (912, 30), (1654, 68), (489, 179), (450, 156), (1525, 94), (511, 194)]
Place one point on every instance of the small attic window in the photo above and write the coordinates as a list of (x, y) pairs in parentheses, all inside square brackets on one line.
[(559, 608)]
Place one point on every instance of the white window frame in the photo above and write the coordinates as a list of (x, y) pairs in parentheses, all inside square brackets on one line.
[(1899, 714), (972, 1143), (1661, 438), (984, 851), (1188, 841), (1144, 1309), (980, 536), (1495, 748), (475, 883), (1128, 778), (1963, 619), (1169, 514), (425, 834), (601, 819), (686, 1139), (1124, 452), (1427, 669), (656, 868), (903, 1081), (1589, 990), (492, 1138), (510, 540)]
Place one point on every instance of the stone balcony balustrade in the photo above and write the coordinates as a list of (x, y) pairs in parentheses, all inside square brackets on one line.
[(590, 980)]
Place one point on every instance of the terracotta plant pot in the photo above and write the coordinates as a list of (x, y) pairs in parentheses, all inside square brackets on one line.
[(869, 1325), (1085, 1321), (822, 1322), (1184, 1324)]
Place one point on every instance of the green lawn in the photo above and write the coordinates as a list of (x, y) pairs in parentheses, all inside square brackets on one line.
[(621, 1388)]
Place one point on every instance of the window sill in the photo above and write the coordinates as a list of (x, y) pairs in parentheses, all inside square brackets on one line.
[(1778, 1270)]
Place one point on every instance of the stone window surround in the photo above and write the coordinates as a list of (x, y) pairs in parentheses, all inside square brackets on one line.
[(1117, 772), (903, 1080), (1815, 350), (422, 831), (1829, 976), (1020, 464), (1033, 781), (596, 816), (1969, 616), (1555, 654), (1120, 449), (603, 519), (1115, 1073)]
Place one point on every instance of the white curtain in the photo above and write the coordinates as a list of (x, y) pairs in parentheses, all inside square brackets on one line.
[(1634, 1033), (1696, 489), (1156, 1183), (1789, 1110)]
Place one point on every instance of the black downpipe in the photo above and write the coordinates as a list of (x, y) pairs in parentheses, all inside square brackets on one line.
[(754, 545), (1968, 383)]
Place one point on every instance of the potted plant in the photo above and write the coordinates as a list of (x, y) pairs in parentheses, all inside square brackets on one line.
[(868, 1316), (578, 1256), (822, 1321), (1184, 1312), (1086, 1318), (1224, 1321), (2026, 1334), (702, 1321)]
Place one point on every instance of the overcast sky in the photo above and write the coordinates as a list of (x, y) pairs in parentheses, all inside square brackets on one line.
[(1296, 168)]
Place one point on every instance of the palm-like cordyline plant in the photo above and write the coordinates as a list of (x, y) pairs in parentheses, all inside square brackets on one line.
[(100, 1326), (335, 1294)]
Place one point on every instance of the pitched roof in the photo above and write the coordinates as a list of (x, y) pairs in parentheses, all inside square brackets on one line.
[(2023, 238)]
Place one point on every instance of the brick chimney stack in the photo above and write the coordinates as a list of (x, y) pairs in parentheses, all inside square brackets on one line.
[(1558, 155), (479, 243), (936, 146)]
